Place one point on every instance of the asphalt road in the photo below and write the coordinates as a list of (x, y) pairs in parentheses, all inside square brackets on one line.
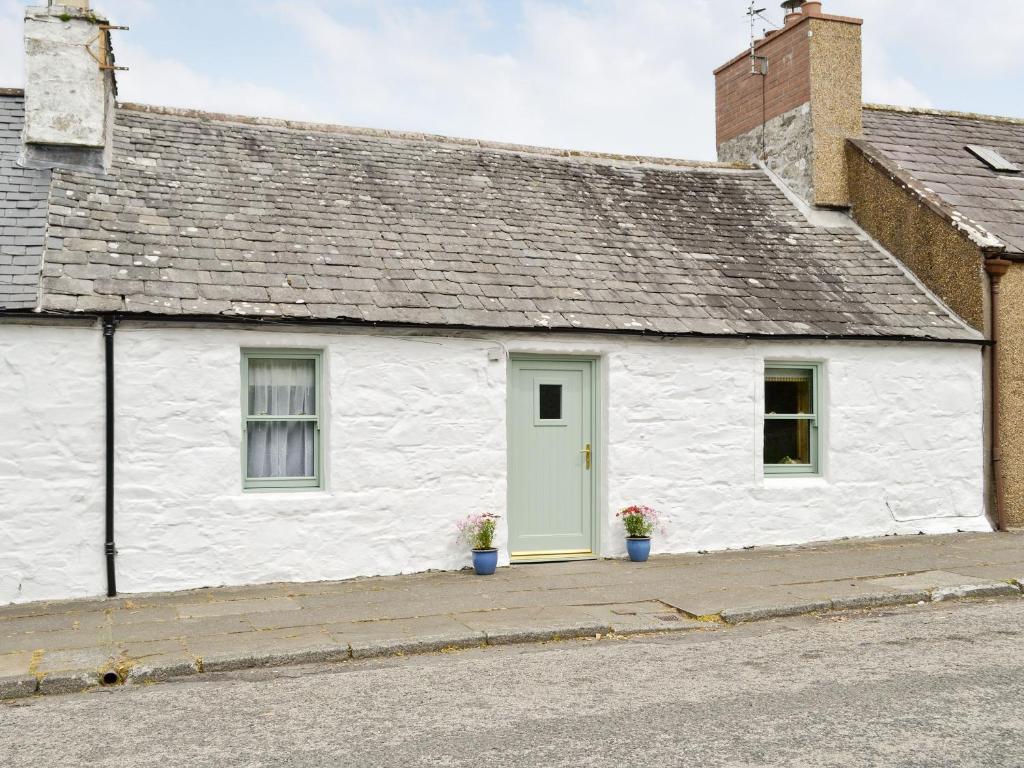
[(936, 685)]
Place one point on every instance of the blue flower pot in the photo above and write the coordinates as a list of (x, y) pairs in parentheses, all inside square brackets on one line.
[(485, 561), (639, 548)]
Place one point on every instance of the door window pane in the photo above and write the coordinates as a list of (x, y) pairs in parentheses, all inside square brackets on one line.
[(550, 401)]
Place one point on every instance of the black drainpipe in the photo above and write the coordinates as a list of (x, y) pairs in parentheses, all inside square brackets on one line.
[(109, 325)]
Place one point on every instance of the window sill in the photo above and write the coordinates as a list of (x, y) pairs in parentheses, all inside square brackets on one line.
[(795, 481), (285, 489)]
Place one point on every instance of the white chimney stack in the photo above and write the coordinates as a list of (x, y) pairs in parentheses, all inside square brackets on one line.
[(69, 86)]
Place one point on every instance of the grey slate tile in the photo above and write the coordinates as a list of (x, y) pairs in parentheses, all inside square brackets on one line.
[(214, 217), (931, 147), (23, 195)]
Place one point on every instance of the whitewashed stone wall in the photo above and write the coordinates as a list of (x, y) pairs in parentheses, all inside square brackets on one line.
[(416, 438), (51, 462), (902, 444)]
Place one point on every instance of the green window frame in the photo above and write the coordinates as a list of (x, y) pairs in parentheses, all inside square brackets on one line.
[(249, 420), (812, 371)]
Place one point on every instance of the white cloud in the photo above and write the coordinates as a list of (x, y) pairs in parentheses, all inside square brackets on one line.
[(11, 64), (116, 10), (942, 40), (881, 83), (614, 75), (168, 82), (617, 75), (984, 39), (154, 79), (12, 13)]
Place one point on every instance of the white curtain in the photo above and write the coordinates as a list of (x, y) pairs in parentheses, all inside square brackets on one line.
[(281, 388)]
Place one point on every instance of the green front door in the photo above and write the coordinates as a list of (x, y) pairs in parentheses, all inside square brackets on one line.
[(551, 458)]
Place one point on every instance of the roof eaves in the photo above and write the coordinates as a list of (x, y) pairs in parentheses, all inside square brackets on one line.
[(18, 305), (944, 335)]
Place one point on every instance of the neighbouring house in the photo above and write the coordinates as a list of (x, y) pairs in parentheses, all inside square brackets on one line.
[(942, 191), (239, 350), (945, 192)]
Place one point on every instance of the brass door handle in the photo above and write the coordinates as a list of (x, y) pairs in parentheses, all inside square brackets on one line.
[(586, 453)]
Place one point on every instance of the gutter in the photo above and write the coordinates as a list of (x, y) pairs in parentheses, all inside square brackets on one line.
[(109, 547), (308, 323)]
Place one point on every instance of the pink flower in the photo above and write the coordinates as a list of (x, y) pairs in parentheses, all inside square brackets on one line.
[(478, 529), (640, 520)]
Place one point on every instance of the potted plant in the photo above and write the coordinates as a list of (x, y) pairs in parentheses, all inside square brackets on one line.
[(478, 531), (640, 523)]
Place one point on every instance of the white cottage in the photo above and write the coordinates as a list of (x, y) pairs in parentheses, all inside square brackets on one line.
[(242, 350)]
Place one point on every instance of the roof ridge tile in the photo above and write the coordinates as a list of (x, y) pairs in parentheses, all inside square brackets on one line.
[(383, 133), (945, 113)]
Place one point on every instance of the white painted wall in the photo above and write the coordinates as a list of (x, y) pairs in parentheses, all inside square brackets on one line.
[(51, 462), (416, 439)]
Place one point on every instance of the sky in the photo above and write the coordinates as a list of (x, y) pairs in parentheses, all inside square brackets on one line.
[(628, 76)]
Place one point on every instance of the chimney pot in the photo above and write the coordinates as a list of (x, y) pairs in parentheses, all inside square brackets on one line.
[(793, 11), (812, 8)]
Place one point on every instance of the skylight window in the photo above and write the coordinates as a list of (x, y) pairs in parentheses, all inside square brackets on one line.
[(993, 159)]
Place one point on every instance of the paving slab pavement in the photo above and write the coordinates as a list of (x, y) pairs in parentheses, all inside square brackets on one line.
[(67, 646)]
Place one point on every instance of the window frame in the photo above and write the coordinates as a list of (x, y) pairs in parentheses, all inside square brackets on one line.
[(803, 470), (284, 483)]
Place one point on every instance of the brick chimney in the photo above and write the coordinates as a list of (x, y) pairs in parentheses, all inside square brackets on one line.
[(69, 86), (796, 102)]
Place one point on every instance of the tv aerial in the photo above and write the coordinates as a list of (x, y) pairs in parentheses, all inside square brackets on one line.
[(758, 64)]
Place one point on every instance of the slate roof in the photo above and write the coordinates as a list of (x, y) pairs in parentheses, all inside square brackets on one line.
[(931, 147), (22, 212), (206, 215)]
